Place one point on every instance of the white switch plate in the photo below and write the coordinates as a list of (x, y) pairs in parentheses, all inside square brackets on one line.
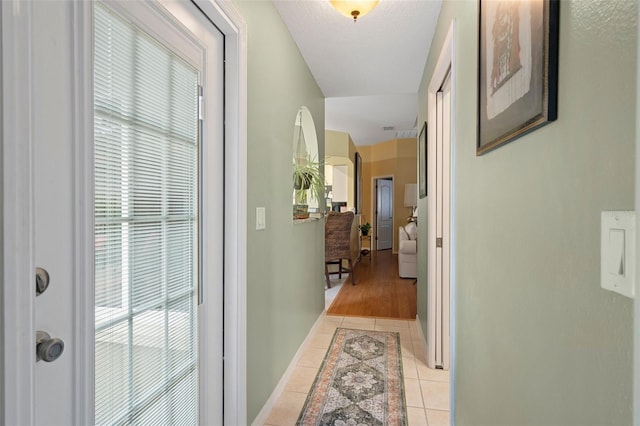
[(261, 218), (617, 252)]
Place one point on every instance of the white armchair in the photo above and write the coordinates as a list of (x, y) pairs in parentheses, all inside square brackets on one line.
[(407, 252)]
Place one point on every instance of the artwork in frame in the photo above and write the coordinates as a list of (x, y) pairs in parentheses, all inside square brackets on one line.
[(358, 183), (517, 69), (422, 158)]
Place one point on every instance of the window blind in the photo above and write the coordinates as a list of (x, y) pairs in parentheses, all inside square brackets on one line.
[(146, 228)]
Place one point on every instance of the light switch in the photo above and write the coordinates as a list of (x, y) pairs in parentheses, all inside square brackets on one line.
[(616, 252), (261, 218), (617, 267)]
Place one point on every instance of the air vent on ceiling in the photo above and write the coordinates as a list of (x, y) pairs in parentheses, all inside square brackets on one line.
[(406, 134), (389, 128)]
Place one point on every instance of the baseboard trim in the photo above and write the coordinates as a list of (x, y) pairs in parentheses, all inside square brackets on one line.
[(423, 338), (262, 416)]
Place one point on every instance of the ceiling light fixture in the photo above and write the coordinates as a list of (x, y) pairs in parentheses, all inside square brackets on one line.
[(353, 9)]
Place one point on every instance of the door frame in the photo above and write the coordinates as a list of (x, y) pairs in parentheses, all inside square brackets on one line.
[(18, 244), (374, 207), (17, 390), (636, 302), (446, 64)]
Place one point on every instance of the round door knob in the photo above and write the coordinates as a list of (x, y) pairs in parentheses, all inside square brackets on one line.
[(48, 349), (42, 280)]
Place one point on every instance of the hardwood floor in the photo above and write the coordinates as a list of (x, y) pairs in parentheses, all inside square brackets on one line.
[(379, 291)]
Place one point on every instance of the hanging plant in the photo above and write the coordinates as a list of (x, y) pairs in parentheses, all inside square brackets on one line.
[(302, 181), (307, 177)]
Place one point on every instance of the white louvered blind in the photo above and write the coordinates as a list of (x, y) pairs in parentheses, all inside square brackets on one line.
[(146, 228)]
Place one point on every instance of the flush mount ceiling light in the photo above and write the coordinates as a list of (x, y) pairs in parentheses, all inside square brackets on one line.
[(353, 9)]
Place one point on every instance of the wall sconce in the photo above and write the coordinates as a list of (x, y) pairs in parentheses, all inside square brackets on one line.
[(353, 9)]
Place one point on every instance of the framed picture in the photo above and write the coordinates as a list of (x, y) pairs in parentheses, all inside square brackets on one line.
[(358, 183), (517, 69), (422, 158)]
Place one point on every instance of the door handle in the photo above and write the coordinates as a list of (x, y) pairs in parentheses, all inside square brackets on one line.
[(42, 281), (48, 349)]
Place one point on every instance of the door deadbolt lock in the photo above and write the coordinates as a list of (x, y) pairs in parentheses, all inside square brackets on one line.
[(48, 349), (42, 281), (439, 242)]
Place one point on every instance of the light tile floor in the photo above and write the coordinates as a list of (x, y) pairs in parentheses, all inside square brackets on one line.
[(426, 390)]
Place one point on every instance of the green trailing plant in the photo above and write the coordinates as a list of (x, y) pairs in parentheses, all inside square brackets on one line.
[(307, 177), (365, 228)]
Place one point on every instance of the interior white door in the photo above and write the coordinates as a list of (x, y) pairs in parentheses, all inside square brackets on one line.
[(63, 197), (442, 247), (446, 221), (384, 197)]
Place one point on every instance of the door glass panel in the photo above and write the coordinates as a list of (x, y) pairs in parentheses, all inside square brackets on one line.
[(146, 232)]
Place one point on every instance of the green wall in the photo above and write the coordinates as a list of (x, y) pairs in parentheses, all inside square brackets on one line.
[(285, 287), (537, 341)]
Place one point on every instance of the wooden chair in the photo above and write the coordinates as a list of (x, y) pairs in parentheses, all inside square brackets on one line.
[(337, 244)]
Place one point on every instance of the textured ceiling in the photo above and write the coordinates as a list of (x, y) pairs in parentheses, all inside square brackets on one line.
[(370, 70)]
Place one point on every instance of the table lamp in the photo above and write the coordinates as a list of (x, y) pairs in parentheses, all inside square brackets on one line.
[(411, 199)]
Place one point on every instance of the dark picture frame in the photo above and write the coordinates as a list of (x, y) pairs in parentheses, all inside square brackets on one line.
[(422, 161), (517, 69), (358, 183)]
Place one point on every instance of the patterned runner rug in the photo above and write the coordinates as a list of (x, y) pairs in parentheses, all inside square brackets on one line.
[(359, 383)]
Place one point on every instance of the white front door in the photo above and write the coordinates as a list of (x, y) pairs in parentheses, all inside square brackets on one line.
[(384, 231), (56, 220), (155, 171), (158, 223)]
